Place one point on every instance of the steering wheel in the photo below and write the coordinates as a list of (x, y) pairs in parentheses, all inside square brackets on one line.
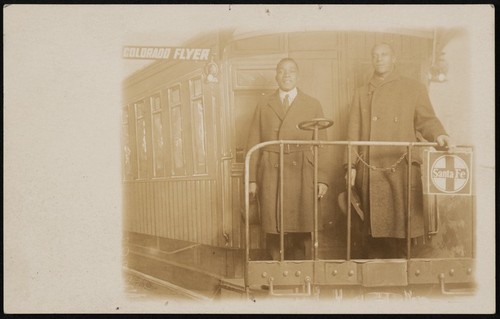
[(311, 125)]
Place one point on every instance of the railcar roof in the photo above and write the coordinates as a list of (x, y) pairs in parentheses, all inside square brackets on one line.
[(244, 33), (240, 33)]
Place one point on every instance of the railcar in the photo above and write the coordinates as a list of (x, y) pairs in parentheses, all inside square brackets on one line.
[(185, 124)]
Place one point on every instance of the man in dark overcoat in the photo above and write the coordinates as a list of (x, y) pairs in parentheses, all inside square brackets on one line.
[(390, 108), (276, 118)]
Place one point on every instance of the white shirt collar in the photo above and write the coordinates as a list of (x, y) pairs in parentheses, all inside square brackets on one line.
[(291, 95)]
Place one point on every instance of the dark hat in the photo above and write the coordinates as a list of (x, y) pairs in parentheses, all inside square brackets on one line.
[(355, 202)]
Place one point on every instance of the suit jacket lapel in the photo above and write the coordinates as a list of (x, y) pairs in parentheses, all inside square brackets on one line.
[(276, 106), (297, 101)]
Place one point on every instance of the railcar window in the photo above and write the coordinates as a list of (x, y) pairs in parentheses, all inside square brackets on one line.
[(142, 150), (127, 165), (158, 141), (196, 90), (198, 113), (174, 99)]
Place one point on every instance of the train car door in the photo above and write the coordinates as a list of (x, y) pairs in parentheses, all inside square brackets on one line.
[(319, 55), (251, 79)]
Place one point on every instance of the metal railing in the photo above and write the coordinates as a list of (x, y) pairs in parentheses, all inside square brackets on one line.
[(316, 144)]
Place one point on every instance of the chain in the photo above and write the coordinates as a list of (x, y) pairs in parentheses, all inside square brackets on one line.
[(392, 168)]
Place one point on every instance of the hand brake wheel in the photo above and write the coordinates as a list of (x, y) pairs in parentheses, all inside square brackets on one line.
[(318, 123)]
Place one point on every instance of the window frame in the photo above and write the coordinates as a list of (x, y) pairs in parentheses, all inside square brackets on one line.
[(126, 128), (176, 172), (193, 98), (160, 113), (137, 143)]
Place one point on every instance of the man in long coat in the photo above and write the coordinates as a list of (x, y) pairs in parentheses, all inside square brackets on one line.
[(390, 108), (276, 118)]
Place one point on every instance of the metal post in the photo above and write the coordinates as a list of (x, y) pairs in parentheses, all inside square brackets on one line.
[(247, 223), (408, 239), (281, 227), (349, 164), (315, 148)]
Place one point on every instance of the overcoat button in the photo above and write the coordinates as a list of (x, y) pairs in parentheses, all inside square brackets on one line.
[(375, 118), (294, 163), (396, 119)]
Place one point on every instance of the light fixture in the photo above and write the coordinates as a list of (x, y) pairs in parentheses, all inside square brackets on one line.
[(439, 68)]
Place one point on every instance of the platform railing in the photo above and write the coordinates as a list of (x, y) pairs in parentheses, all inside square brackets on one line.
[(316, 144)]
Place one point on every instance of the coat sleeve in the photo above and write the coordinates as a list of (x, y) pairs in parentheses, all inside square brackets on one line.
[(354, 125), (323, 152), (254, 137), (323, 136), (425, 120)]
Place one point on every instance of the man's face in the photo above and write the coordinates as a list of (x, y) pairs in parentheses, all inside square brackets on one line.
[(287, 75), (383, 59)]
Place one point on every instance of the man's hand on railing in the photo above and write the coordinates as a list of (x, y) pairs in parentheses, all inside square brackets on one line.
[(322, 189), (353, 176), (444, 141), (252, 189)]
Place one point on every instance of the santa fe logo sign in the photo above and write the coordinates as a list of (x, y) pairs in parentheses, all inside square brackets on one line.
[(449, 173)]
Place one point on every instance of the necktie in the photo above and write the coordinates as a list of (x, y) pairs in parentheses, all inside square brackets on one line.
[(286, 103)]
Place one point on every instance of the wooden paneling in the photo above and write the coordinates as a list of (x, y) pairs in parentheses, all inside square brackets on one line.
[(202, 219), (182, 210), (170, 215), (247, 78), (183, 198), (356, 45), (214, 225), (238, 204), (149, 202), (160, 210), (195, 211), (303, 41), (140, 198), (258, 45)]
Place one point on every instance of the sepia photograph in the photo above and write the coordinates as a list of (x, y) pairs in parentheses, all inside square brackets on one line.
[(249, 159)]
